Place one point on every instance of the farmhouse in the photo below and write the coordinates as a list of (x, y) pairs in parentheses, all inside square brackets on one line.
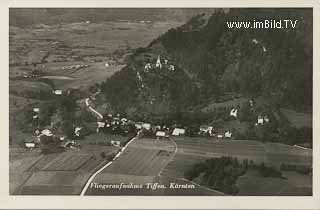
[(147, 67), (146, 126), (171, 67), (206, 129), (46, 132), (234, 112), (178, 131), (77, 131), (228, 134), (160, 134), (260, 120), (115, 143), (57, 92), (29, 144)]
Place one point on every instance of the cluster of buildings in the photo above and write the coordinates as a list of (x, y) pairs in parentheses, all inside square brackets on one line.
[(46, 136), (160, 63)]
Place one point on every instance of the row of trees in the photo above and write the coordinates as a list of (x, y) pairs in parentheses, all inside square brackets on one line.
[(222, 173)]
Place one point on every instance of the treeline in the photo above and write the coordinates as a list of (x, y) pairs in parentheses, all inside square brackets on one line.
[(222, 173)]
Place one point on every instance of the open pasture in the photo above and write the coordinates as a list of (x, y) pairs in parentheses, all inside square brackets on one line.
[(270, 153), (67, 162), (143, 162)]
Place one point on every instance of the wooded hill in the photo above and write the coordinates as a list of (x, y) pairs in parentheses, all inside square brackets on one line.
[(212, 61)]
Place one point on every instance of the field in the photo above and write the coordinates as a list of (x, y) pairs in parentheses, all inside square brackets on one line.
[(54, 174), (194, 150), (141, 162)]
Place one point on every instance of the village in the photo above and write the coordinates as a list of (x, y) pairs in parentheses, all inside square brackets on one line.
[(117, 124)]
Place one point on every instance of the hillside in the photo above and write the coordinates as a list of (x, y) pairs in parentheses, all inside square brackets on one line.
[(213, 61)]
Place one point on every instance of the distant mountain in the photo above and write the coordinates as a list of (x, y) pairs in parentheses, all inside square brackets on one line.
[(22, 17), (212, 61)]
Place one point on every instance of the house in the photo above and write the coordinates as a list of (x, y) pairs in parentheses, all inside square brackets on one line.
[(234, 112), (106, 64), (35, 116), (57, 92), (36, 110), (255, 41), (160, 134), (62, 138), (266, 119), (260, 120), (147, 66), (205, 129), (77, 131), (30, 145), (101, 124), (46, 132), (146, 126), (158, 63), (220, 136), (138, 126), (171, 67), (228, 134), (264, 49), (178, 131), (115, 143)]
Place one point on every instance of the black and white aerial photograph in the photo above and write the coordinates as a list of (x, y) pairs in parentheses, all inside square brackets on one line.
[(160, 101)]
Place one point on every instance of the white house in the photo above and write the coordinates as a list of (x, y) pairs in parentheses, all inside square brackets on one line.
[(29, 145), (147, 66), (36, 110), (146, 126), (77, 131), (138, 126), (255, 41), (234, 112), (160, 134), (228, 134), (57, 92), (46, 132), (101, 124), (178, 131), (260, 120), (171, 67), (115, 143), (206, 129), (264, 49)]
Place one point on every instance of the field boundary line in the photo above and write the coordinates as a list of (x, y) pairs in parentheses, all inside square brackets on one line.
[(105, 166), (174, 154), (300, 147)]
